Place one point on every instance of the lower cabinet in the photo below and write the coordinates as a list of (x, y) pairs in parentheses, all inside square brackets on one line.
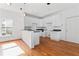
[(31, 38), (55, 36)]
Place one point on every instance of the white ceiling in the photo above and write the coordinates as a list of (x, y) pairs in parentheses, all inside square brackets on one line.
[(38, 9)]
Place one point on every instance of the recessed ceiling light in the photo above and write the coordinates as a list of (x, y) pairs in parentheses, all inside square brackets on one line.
[(48, 3), (21, 9), (24, 3)]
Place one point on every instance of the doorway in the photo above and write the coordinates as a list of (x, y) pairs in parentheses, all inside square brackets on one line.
[(72, 29)]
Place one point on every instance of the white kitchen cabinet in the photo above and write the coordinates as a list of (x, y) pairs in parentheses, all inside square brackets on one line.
[(55, 35), (36, 38), (27, 37), (31, 38)]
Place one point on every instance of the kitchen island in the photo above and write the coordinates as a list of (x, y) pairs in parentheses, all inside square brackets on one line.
[(31, 38)]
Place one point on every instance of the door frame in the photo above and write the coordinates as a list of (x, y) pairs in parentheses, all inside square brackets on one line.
[(66, 30)]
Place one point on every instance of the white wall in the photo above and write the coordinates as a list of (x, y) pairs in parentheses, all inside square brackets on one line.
[(18, 21), (71, 13)]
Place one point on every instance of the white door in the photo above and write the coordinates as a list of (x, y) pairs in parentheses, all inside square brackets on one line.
[(72, 30)]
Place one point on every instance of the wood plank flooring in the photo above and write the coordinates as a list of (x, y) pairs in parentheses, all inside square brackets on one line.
[(54, 48), (49, 47)]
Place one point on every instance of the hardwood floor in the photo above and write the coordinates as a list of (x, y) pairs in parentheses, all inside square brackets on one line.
[(53, 48), (49, 47)]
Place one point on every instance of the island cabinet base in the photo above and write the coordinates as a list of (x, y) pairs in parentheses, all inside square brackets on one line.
[(30, 38)]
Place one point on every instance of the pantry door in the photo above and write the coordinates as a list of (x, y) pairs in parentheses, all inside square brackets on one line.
[(72, 29)]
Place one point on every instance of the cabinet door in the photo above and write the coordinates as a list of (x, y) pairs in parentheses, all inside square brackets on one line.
[(72, 30), (55, 36)]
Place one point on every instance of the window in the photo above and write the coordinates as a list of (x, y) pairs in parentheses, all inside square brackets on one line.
[(6, 27)]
